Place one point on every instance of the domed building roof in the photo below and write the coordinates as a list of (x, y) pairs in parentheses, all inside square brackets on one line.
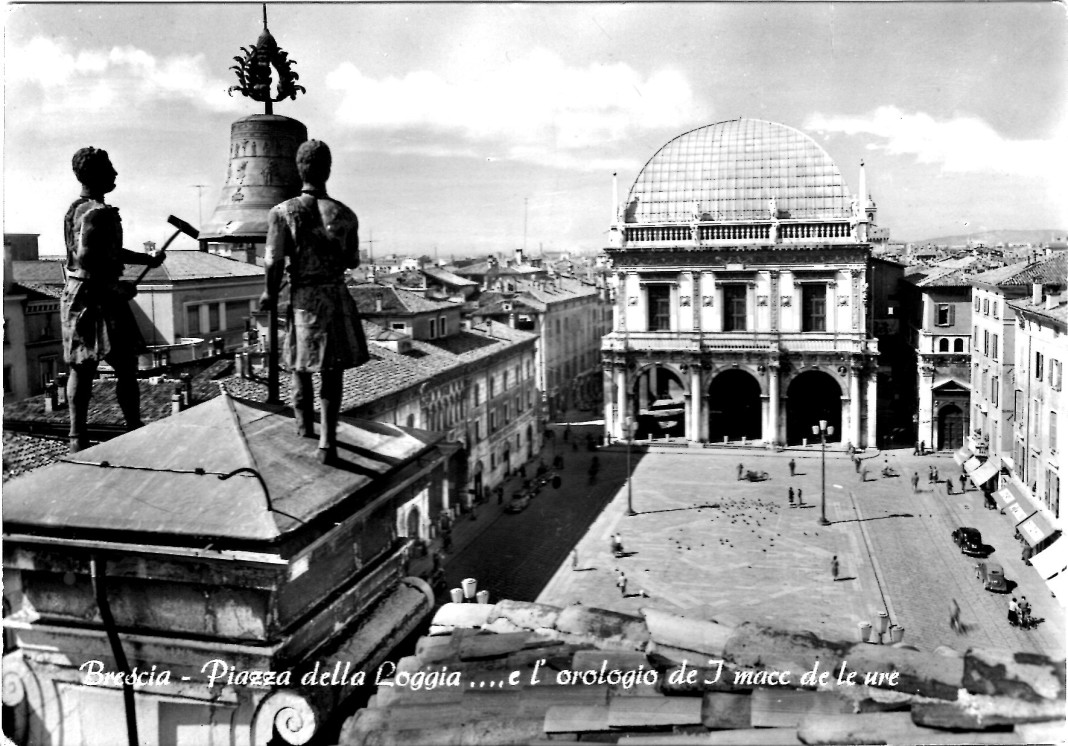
[(731, 170)]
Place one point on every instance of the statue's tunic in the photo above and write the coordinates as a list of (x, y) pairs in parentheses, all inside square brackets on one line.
[(319, 237), (97, 321)]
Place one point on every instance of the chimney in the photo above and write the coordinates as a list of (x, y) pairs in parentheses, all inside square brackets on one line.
[(378, 304), (1036, 293), (176, 399)]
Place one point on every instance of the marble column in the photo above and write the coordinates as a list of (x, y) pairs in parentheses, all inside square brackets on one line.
[(621, 402), (854, 407), (873, 405), (772, 435), (609, 403), (693, 416)]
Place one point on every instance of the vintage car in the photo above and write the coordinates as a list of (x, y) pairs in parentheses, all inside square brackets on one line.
[(969, 540), (992, 576), (518, 503)]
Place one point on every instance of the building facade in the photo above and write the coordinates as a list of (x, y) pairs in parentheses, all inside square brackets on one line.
[(569, 317), (939, 306), (742, 307)]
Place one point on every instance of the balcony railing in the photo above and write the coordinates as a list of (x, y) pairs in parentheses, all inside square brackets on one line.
[(739, 342)]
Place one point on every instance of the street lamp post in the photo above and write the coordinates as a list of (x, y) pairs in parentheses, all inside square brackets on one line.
[(823, 430), (630, 427)]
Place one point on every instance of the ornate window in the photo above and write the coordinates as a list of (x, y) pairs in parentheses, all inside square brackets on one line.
[(813, 308), (658, 307), (734, 308)]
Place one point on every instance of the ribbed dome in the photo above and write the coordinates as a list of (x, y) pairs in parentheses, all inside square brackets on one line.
[(730, 171)]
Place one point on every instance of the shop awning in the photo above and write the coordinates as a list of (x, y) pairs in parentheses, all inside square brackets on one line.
[(1036, 528), (1020, 512), (1004, 497), (972, 464), (962, 455), (986, 472), (1058, 585), (1051, 560)]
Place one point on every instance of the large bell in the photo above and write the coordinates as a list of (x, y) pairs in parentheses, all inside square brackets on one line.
[(262, 173)]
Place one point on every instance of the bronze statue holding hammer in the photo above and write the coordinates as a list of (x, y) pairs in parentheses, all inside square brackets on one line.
[(318, 237), (97, 321)]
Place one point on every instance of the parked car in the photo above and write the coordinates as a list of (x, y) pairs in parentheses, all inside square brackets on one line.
[(993, 577), (969, 540), (518, 503)]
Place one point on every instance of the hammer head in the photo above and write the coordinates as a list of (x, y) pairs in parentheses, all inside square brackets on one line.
[(183, 226)]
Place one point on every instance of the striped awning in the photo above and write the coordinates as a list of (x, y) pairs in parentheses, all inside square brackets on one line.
[(1004, 497), (1035, 529), (972, 464), (962, 455)]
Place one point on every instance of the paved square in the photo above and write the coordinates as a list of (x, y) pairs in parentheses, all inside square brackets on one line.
[(708, 544)]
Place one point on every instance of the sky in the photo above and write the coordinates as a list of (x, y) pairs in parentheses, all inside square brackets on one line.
[(461, 129)]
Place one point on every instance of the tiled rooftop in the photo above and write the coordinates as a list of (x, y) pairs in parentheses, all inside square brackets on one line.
[(527, 672), (23, 453), (40, 272), (1051, 271), (197, 265), (394, 300)]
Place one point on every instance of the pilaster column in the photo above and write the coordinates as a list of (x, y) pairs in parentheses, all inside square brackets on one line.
[(873, 406), (925, 431), (854, 407), (621, 402), (693, 416), (609, 403), (772, 435)]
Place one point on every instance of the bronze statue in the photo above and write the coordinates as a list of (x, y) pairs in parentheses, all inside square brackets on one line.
[(319, 237), (97, 321)]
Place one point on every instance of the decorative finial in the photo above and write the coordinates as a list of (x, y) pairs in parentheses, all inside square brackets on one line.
[(254, 71)]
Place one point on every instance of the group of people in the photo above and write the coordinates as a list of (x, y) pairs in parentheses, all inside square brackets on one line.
[(1020, 613)]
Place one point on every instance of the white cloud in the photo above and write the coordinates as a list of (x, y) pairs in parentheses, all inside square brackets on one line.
[(537, 107), (959, 145), (48, 77)]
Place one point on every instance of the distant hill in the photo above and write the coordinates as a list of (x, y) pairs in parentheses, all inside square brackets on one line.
[(993, 237)]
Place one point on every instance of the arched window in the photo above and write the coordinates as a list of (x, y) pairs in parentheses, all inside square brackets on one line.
[(943, 345), (958, 345)]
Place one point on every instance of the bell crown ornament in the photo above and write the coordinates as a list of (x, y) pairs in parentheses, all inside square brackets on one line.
[(262, 169)]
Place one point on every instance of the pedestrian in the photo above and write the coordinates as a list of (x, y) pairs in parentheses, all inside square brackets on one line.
[(800, 501), (1014, 612), (864, 474), (574, 560), (923, 448), (930, 474), (741, 468), (949, 486), (834, 567), (963, 483), (954, 617), (1025, 612), (621, 584), (915, 482), (793, 467), (934, 471), (856, 464), (790, 495)]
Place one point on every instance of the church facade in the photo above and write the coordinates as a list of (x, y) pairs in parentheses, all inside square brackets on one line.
[(742, 266)]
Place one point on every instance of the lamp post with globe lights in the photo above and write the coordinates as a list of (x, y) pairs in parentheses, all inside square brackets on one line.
[(823, 430), (630, 428)]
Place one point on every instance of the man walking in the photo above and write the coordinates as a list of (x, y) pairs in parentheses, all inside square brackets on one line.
[(915, 482), (741, 468), (790, 496), (317, 237), (963, 483), (834, 567), (621, 584), (793, 467), (574, 560)]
